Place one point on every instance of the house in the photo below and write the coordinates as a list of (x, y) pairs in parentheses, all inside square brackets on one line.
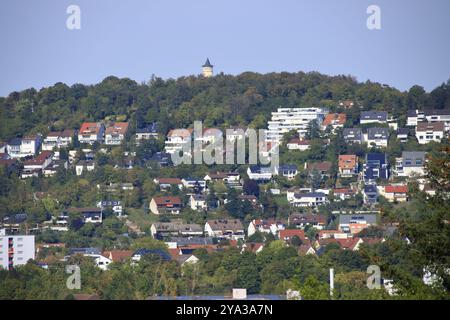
[(378, 137), (165, 205), (373, 117), (58, 139), (322, 168), (254, 247), (310, 199), (91, 132), (114, 205), (427, 132), (40, 162), (334, 120), (287, 234), (147, 132), (175, 228), (414, 117), (344, 193), (352, 135), (160, 254), (395, 193), (225, 228), (259, 173), (352, 244), (194, 183), (376, 167), (15, 250), (288, 171), (83, 166), (272, 226), (198, 202), (54, 166), (115, 133), (88, 215), (430, 115), (354, 223), (411, 163), (403, 134), (298, 144), (13, 148), (113, 256), (336, 234), (306, 249), (287, 119), (177, 139), (348, 165), (167, 183), (301, 221), (229, 178), (30, 145), (370, 194)]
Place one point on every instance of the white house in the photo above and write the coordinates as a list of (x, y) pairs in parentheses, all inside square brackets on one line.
[(377, 136), (231, 229), (177, 139), (91, 132), (198, 202), (259, 173), (115, 133), (298, 144), (84, 165), (411, 163), (265, 226), (57, 139), (427, 132), (311, 199)]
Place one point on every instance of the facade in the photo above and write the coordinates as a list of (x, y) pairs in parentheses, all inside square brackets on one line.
[(370, 194), (163, 205), (348, 165), (334, 120), (84, 166), (376, 167), (177, 139), (198, 202), (265, 226), (352, 135), (57, 139), (91, 132), (288, 119), (301, 221), (378, 137), (25, 147), (403, 134), (15, 250), (207, 69), (298, 144), (288, 171), (40, 162), (115, 133), (373, 117), (350, 223), (259, 173), (411, 163), (310, 199), (397, 193), (231, 229), (147, 132), (428, 132)]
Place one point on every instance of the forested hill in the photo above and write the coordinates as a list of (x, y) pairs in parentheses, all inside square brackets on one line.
[(223, 100)]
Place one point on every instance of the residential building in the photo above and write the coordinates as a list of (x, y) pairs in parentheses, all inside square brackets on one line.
[(334, 120), (343, 193), (165, 205), (395, 193), (299, 144), (91, 132), (229, 178), (114, 205), (157, 253), (370, 194), (427, 132), (115, 133), (198, 202), (412, 163), (373, 117), (348, 165), (272, 226), (40, 162), (259, 173), (167, 183), (414, 117), (13, 148), (311, 199), (30, 145), (88, 214), (147, 132), (231, 229), (403, 134), (352, 135), (84, 166), (288, 119), (114, 256), (301, 221), (378, 137), (193, 183), (177, 139), (430, 115), (354, 223), (15, 250), (346, 104), (376, 167), (287, 234), (175, 228), (58, 139), (54, 166), (322, 168), (288, 171)]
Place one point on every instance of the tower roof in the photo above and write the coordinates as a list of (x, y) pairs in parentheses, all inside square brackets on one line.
[(207, 64)]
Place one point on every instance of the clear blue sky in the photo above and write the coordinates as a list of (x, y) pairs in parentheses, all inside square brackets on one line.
[(172, 38)]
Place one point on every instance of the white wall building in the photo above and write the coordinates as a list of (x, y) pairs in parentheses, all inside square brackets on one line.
[(16, 250)]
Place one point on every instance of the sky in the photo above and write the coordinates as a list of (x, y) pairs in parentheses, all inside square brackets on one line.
[(172, 38)]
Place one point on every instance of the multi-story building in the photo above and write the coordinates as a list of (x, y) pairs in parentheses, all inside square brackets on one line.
[(376, 167), (177, 139), (310, 199), (287, 119), (348, 165), (378, 137), (24, 147), (352, 135), (373, 117), (227, 229), (334, 120), (91, 132), (438, 115), (411, 163), (57, 139), (15, 250), (427, 132), (115, 133), (148, 132)]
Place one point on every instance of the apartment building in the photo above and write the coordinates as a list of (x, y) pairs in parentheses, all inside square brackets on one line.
[(15, 250)]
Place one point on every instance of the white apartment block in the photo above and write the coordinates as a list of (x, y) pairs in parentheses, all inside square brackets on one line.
[(15, 250), (287, 119)]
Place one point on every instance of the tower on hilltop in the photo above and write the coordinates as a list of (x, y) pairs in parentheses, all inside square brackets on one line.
[(207, 69)]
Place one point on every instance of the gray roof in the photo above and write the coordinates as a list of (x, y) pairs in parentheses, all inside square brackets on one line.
[(413, 158), (207, 64), (310, 194), (374, 115), (437, 112), (191, 241), (403, 131), (346, 218), (352, 133), (377, 133), (286, 167)]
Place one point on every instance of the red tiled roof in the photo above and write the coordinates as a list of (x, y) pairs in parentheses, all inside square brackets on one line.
[(40, 159), (299, 142), (334, 119), (287, 234), (118, 255), (167, 201), (396, 189), (90, 128), (348, 243), (347, 161), (169, 181), (426, 126), (117, 128)]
